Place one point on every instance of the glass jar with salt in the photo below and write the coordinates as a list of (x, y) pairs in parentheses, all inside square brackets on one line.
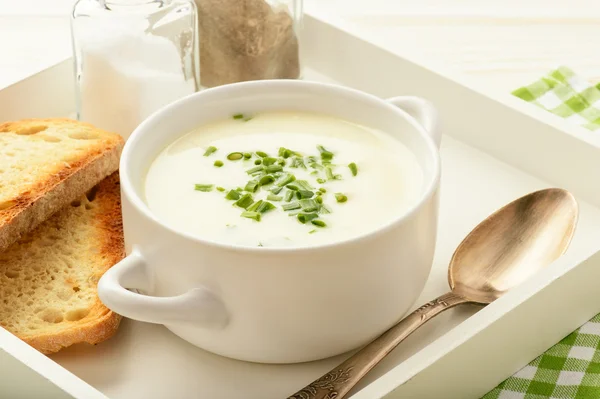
[(244, 40), (131, 58)]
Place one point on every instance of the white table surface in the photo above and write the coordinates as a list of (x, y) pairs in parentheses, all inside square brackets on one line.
[(499, 44)]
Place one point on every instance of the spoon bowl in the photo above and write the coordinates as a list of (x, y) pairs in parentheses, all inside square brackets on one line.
[(512, 244)]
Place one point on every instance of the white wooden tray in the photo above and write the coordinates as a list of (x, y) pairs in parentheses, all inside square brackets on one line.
[(494, 150)]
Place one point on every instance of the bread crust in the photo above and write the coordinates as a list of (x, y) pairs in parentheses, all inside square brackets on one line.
[(71, 180), (101, 323)]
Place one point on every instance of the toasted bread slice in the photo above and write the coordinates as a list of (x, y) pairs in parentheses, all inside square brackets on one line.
[(48, 278), (44, 165)]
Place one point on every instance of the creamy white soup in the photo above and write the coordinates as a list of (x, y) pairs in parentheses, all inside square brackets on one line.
[(281, 179)]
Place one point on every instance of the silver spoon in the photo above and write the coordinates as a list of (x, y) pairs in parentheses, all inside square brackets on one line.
[(504, 250)]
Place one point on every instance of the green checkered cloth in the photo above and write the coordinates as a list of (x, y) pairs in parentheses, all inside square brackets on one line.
[(571, 368), (566, 94)]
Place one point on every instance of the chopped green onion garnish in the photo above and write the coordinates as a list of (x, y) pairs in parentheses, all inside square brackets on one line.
[(221, 189), (304, 194), (266, 179), (239, 189), (322, 190), (233, 195), (293, 186), (285, 179), (276, 189), (265, 207), (353, 168), (238, 116), (251, 186), (247, 155), (329, 173), (262, 154), (291, 206), (319, 199), (269, 161), (314, 172), (273, 197), (325, 155), (303, 184), (321, 181), (298, 162), (251, 215), (210, 150), (255, 169), (339, 197), (309, 205), (312, 232), (218, 164), (324, 210), (281, 162), (235, 156), (245, 201), (274, 168), (254, 206), (285, 153), (257, 162), (306, 217), (203, 187), (288, 195), (318, 223)]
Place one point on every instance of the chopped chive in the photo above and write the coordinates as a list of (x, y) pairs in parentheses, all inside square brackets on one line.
[(293, 186), (238, 116), (281, 162), (304, 194), (285, 153), (218, 164), (235, 156), (285, 179), (233, 195), (315, 165), (239, 189), (325, 154), (265, 207), (251, 186), (288, 195), (324, 209), (306, 217), (210, 150), (339, 197), (266, 179), (262, 154), (221, 189), (269, 161), (255, 169), (309, 205), (353, 168), (276, 189), (329, 173), (291, 206), (274, 168), (319, 199), (312, 232), (273, 197), (254, 206), (321, 181), (203, 187), (245, 201), (322, 190), (303, 184), (247, 155), (257, 162), (251, 215), (298, 162), (318, 223), (314, 172)]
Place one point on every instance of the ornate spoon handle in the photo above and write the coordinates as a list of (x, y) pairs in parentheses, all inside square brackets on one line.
[(339, 381)]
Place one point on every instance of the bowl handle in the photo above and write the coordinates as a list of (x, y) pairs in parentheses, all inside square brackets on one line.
[(423, 112), (198, 305)]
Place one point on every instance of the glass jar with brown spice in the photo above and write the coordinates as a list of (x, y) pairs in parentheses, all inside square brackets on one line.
[(243, 40)]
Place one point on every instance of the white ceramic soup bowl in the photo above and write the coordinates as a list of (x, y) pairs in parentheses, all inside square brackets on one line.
[(275, 305)]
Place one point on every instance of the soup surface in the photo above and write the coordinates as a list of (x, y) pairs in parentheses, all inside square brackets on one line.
[(281, 179)]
